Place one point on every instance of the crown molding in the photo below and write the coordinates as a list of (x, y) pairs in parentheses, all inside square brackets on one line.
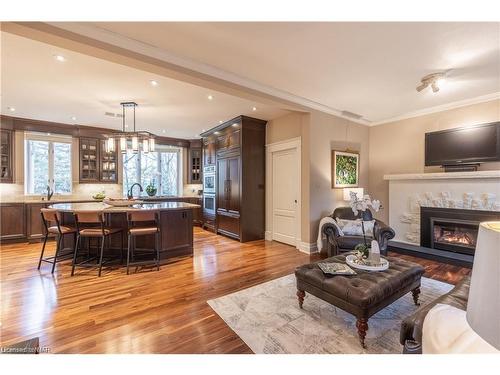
[(118, 40), (441, 108)]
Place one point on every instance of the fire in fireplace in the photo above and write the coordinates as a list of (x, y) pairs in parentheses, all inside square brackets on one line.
[(450, 229), (454, 233)]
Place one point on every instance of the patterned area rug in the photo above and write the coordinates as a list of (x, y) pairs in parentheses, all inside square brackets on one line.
[(268, 319)]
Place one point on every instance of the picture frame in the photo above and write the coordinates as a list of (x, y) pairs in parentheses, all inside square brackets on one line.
[(345, 169)]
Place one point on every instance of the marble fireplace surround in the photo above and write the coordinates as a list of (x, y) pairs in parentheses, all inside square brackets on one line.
[(463, 190)]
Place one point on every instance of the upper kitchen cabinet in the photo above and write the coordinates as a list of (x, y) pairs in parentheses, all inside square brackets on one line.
[(89, 160), (209, 150), (108, 164), (194, 162), (97, 165), (7, 156)]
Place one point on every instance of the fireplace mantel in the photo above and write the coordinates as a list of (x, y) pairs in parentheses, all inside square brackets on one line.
[(460, 190), (443, 175)]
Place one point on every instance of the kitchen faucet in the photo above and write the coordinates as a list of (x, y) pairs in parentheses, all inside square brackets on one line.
[(50, 193), (129, 193)]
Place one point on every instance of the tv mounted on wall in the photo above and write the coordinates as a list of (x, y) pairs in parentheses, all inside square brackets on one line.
[(463, 148)]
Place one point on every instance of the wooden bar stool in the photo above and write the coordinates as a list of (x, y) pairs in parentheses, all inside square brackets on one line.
[(91, 224), (49, 218), (142, 223)]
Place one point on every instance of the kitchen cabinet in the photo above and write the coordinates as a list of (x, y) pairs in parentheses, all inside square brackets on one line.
[(209, 147), (12, 221), (96, 164), (240, 171), (108, 164), (6, 155), (34, 222), (194, 163), (89, 159), (177, 234)]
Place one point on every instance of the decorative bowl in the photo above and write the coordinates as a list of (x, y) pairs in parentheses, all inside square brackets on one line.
[(353, 261)]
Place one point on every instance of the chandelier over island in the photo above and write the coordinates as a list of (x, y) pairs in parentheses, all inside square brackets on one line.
[(130, 140)]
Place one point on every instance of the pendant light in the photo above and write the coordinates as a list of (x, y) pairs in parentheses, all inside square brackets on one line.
[(134, 138)]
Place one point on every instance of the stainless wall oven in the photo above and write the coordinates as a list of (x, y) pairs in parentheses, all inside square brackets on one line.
[(209, 179), (209, 203)]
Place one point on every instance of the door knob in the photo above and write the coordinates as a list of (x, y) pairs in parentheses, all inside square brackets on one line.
[(295, 200)]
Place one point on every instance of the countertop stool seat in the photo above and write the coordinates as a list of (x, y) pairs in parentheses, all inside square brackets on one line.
[(142, 223), (91, 224), (52, 225)]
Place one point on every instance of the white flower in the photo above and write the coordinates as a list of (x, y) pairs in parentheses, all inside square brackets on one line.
[(363, 203)]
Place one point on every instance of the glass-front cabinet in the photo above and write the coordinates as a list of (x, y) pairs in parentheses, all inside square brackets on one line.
[(108, 167), (6, 151)]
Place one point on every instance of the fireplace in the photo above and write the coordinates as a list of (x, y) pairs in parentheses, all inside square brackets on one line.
[(453, 230)]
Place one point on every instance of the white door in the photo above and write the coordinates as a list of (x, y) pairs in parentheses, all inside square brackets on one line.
[(285, 190)]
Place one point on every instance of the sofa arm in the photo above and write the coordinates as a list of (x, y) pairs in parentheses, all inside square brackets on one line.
[(383, 233), (332, 233)]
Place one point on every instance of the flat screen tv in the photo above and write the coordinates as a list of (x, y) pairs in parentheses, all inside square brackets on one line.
[(461, 146)]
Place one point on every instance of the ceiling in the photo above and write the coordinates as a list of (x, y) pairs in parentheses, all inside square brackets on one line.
[(370, 69), (40, 87)]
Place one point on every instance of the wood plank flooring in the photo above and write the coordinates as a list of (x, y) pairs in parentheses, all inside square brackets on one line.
[(149, 311)]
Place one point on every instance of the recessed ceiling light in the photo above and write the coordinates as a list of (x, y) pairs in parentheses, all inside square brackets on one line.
[(220, 121), (60, 58), (203, 130), (235, 125), (216, 133), (254, 108), (73, 118), (163, 131), (154, 83), (12, 109), (210, 97)]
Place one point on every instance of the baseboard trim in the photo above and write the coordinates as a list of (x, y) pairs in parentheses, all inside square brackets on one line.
[(308, 248), (268, 235)]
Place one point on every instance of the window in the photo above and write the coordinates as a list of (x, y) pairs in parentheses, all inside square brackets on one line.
[(47, 163), (161, 168)]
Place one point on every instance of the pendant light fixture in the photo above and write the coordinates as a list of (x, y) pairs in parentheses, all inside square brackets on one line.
[(130, 140)]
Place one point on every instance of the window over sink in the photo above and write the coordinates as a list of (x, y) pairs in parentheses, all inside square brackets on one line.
[(47, 163), (162, 168)]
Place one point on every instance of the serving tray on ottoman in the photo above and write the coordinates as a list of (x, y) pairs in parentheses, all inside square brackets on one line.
[(363, 294)]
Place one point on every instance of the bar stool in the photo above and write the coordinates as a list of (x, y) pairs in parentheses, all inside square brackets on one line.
[(52, 216), (135, 229), (91, 224)]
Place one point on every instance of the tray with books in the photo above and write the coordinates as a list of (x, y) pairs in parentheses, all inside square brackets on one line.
[(336, 269)]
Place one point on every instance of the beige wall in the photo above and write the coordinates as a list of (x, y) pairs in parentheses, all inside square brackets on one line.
[(320, 134), (327, 133), (398, 147)]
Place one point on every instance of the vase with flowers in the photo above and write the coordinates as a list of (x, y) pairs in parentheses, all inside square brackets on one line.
[(361, 205)]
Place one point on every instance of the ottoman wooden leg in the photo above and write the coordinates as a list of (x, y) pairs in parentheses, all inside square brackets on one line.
[(415, 293), (362, 326), (300, 295)]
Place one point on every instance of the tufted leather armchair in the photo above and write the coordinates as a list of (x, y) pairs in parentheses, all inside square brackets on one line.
[(337, 243)]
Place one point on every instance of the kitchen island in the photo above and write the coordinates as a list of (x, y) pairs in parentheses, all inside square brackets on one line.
[(176, 224)]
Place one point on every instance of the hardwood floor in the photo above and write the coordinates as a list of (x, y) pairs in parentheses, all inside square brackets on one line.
[(149, 311)]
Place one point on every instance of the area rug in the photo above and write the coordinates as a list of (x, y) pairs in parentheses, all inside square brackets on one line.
[(267, 318)]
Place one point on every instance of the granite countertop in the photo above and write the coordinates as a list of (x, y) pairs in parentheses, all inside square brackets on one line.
[(81, 200), (100, 206)]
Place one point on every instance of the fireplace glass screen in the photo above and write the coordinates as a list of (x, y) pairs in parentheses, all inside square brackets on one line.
[(454, 235)]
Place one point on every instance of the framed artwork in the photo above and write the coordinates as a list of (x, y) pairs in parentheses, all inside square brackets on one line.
[(345, 169)]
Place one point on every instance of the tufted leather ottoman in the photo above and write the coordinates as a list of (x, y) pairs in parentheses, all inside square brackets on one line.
[(363, 294)]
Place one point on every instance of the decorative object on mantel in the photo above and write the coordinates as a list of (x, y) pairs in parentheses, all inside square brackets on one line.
[(345, 169), (151, 189), (469, 201), (135, 139)]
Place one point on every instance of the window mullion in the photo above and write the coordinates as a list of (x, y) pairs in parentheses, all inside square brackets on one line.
[(51, 166)]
